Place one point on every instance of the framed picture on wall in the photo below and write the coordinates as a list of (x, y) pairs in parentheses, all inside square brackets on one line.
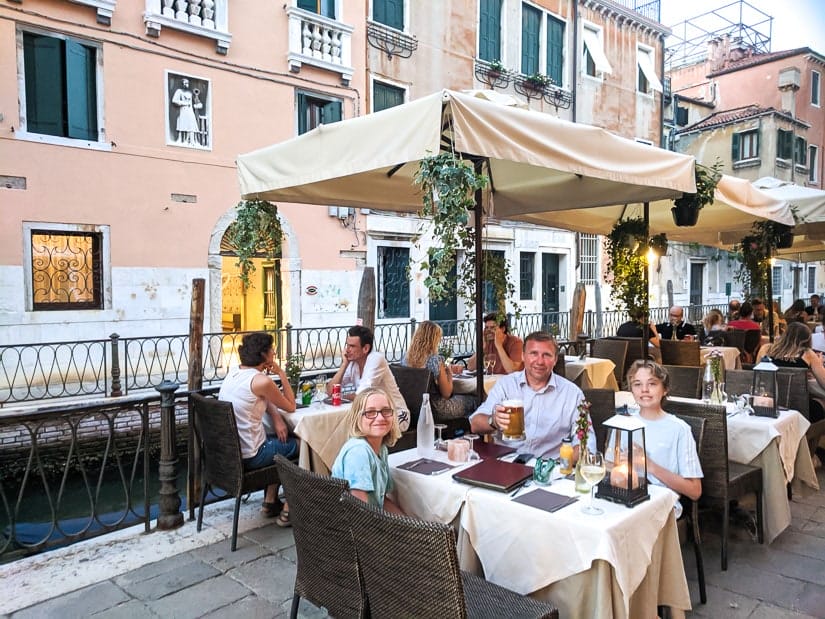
[(188, 111)]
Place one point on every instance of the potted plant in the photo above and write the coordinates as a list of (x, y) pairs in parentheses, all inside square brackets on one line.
[(256, 232), (627, 261), (495, 68), (538, 81), (686, 209), (293, 368)]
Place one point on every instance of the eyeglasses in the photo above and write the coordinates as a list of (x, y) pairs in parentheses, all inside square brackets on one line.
[(372, 413)]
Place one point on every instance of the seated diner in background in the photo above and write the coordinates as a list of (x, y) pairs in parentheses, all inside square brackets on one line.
[(372, 426), (815, 310), (633, 328), (796, 312), (794, 350), (363, 367), (423, 353), (254, 395), (733, 309), (745, 320), (713, 326), (672, 458), (551, 402), (499, 342), (676, 328)]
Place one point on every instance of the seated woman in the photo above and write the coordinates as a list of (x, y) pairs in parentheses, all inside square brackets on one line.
[(713, 324), (796, 312), (423, 353), (362, 461), (672, 460), (253, 394), (793, 350)]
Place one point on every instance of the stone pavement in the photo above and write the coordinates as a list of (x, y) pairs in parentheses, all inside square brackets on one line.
[(195, 575)]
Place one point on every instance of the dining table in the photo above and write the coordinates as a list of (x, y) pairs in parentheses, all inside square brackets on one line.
[(622, 563), (775, 445), (729, 353), (596, 373), (323, 430)]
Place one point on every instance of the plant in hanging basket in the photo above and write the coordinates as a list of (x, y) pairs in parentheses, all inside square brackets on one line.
[(496, 68), (686, 209), (538, 81), (255, 233), (658, 243), (626, 264)]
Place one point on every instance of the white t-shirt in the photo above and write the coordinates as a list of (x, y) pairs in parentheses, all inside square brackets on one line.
[(377, 374)]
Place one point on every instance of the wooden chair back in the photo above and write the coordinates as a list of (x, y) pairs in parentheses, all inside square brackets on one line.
[(685, 381), (678, 352)]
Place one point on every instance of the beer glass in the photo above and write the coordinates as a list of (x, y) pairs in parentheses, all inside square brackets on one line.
[(515, 427)]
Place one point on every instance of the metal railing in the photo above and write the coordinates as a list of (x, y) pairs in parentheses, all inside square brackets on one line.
[(115, 366)]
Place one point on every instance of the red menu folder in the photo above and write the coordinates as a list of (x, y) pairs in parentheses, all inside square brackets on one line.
[(495, 475)]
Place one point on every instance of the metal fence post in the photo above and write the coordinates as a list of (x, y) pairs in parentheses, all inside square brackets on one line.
[(116, 389), (169, 516), (288, 336)]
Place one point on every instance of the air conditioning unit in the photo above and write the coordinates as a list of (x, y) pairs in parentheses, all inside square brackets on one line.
[(341, 212), (789, 78)]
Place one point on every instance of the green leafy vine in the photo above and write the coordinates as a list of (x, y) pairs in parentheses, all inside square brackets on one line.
[(627, 261), (256, 232)]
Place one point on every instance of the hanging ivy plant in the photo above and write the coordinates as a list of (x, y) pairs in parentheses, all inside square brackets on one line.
[(754, 251), (256, 232), (627, 261), (448, 184), (686, 209)]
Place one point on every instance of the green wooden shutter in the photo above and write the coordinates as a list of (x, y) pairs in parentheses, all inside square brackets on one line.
[(385, 96), (331, 112), (328, 8), (735, 146), (530, 26), (303, 125), (489, 30), (757, 136), (43, 59), (308, 5), (389, 12), (555, 49), (81, 94)]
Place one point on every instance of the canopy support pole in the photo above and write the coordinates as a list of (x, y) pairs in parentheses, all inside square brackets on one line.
[(478, 220), (769, 288), (646, 278)]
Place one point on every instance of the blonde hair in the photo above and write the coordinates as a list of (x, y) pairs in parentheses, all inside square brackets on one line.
[(424, 343), (795, 341), (712, 318), (359, 405)]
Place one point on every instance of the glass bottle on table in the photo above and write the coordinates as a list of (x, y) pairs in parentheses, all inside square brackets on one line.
[(425, 430), (566, 456)]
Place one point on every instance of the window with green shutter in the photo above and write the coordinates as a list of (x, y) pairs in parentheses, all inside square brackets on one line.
[(314, 111), (393, 284), (61, 86), (555, 49), (800, 151), (385, 96), (321, 7), (489, 30), (784, 144), (530, 29), (745, 145), (389, 12), (527, 275)]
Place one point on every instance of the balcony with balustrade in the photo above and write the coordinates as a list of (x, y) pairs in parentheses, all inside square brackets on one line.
[(205, 18), (321, 42)]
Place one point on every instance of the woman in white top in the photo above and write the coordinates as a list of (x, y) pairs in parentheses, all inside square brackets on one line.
[(254, 394)]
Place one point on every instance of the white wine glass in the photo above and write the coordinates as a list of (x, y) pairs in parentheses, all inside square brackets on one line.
[(592, 469), (440, 443), (473, 453), (489, 363)]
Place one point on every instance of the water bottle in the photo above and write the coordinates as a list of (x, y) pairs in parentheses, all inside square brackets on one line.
[(425, 431), (707, 383)]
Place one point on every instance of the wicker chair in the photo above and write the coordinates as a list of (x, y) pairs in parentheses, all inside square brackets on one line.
[(676, 352), (735, 338), (603, 407), (616, 351), (635, 350), (724, 481), (691, 508), (410, 569), (327, 573), (413, 383), (221, 464), (685, 381), (753, 340)]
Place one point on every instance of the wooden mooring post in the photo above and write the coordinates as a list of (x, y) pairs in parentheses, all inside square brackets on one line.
[(194, 383)]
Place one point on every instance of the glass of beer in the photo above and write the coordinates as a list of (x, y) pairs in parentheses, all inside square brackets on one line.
[(515, 428)]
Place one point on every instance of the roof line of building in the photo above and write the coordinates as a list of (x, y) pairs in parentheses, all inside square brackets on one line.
[(708, 123)]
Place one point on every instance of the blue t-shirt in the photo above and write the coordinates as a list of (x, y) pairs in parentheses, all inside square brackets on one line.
[(365, 470)]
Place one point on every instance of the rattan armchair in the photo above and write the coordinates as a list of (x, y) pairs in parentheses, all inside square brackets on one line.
[(677, 352), (221, 464), (410, 569), (327, 573), (724, 481), (685, 381), (602, 408), (691, 508), (616, 351)]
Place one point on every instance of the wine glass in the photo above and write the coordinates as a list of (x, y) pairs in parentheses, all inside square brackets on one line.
[(489, 363), (440, 443), (473, 454), (592, 469), (320, 390)]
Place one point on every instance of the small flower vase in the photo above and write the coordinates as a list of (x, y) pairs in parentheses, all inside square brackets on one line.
[(581, 485), (713, 384)]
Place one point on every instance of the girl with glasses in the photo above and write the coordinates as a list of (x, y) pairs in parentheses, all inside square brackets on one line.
[(362, 461)]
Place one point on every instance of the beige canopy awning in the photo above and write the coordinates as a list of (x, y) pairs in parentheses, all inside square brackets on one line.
[(722, 223), (536, 163)]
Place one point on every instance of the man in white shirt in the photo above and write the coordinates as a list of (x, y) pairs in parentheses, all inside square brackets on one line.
[(364, 367)]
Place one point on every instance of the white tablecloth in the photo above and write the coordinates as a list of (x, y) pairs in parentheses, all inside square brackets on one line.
[(598, 372), (528, 550), (322, 430), (729, 353), (467, 384)]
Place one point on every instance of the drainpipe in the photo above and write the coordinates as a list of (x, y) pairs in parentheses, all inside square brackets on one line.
[(662, 101), (575, 80)]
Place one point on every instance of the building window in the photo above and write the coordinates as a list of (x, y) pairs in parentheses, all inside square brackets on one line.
[(314, 111), (385, 96), (393, 285), (389, 12), (321, 7), (813, 151), (745, 145), (647, 80), (188, 116), (542, 55), (811, 279), (776, 279), (594, 59), (815, 88), (61, 91), (489, 29), (527, 265), (271, 292), (588, 258), (784, 144), (681, 116), (800, 151), (66, 266)]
